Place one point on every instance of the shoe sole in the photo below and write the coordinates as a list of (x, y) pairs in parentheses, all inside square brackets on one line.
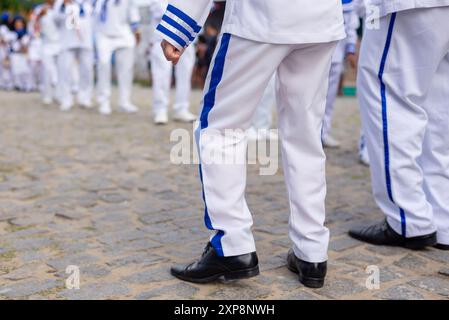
[(309, 282), (232, 275), (416, 243), (441, 246)]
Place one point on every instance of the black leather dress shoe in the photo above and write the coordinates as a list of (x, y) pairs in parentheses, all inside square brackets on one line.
[(210, 267), (442, 246), (383, 234), (310, 274)]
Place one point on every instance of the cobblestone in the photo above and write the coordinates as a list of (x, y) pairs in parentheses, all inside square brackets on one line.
[(100, 193)]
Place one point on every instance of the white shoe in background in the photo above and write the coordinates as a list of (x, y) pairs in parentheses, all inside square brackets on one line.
[(184, 116), (105, 109), (363, 157), (161, 118), (330, 142), (65, 107), (47, 101), (128, 108)]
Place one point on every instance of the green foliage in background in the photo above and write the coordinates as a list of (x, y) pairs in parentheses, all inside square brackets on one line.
[(17, 5)]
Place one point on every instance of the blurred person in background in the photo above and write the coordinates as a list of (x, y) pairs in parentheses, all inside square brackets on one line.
[(46, 25), (20, 67), (345, 51), (75, 20), (162, 71), (6, 38), (116, 33)]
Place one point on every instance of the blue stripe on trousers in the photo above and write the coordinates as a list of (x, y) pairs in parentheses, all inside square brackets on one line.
[(209, 103), (383, 94)]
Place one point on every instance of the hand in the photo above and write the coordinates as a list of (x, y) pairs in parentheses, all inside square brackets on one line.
[(171, 53), (352, 59)]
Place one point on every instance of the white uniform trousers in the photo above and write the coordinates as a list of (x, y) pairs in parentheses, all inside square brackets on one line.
[(49, 76), (337, 69), (404, 91), (83, 60), (124, 63), (263, 118), (21, 71), (236, 82), (161, 71)]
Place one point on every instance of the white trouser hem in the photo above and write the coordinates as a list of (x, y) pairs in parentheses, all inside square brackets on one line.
[(312, 257)]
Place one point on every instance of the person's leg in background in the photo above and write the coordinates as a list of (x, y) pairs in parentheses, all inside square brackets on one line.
[(394, 78), (161, 72), (104, 50), (125, 77), (334, 80), (301, 100), (67, 59), (183, 74), (86, 71)]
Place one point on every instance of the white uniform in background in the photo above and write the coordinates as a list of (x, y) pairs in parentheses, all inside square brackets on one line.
[(20, 66), (50, 51), (296, 38), (344, 47), (35, 61), (35, 53), (115, 22), (6, 37), (404, 90), (161, 71), (76, 29)]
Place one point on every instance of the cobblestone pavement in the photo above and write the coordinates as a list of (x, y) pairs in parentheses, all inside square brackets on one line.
[(100, 193)]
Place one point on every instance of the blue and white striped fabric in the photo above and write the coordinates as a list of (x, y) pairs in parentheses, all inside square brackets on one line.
[(179, 27)]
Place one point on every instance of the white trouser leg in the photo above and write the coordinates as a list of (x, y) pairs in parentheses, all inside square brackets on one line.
[(67, 61), (50, 75), (263, 117), (229, 86), (104, 50), (334, 81), (86, 83), (435, 157), (161, 72), (183, 72), (394, 111), (125, 74), (301, 104)]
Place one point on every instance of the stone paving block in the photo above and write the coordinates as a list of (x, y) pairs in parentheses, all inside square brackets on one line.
[(411, 261), (339, 288), (400, 292), (78, 259), (343, 244), (96, 291), (27, 288), (143, 258), (150, 276), (241, 290), (180, 290), (438, 285)]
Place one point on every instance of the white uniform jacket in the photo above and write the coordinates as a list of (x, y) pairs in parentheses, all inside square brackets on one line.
[(116, 18), (75, 22), (268, 21), (390, 6)]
